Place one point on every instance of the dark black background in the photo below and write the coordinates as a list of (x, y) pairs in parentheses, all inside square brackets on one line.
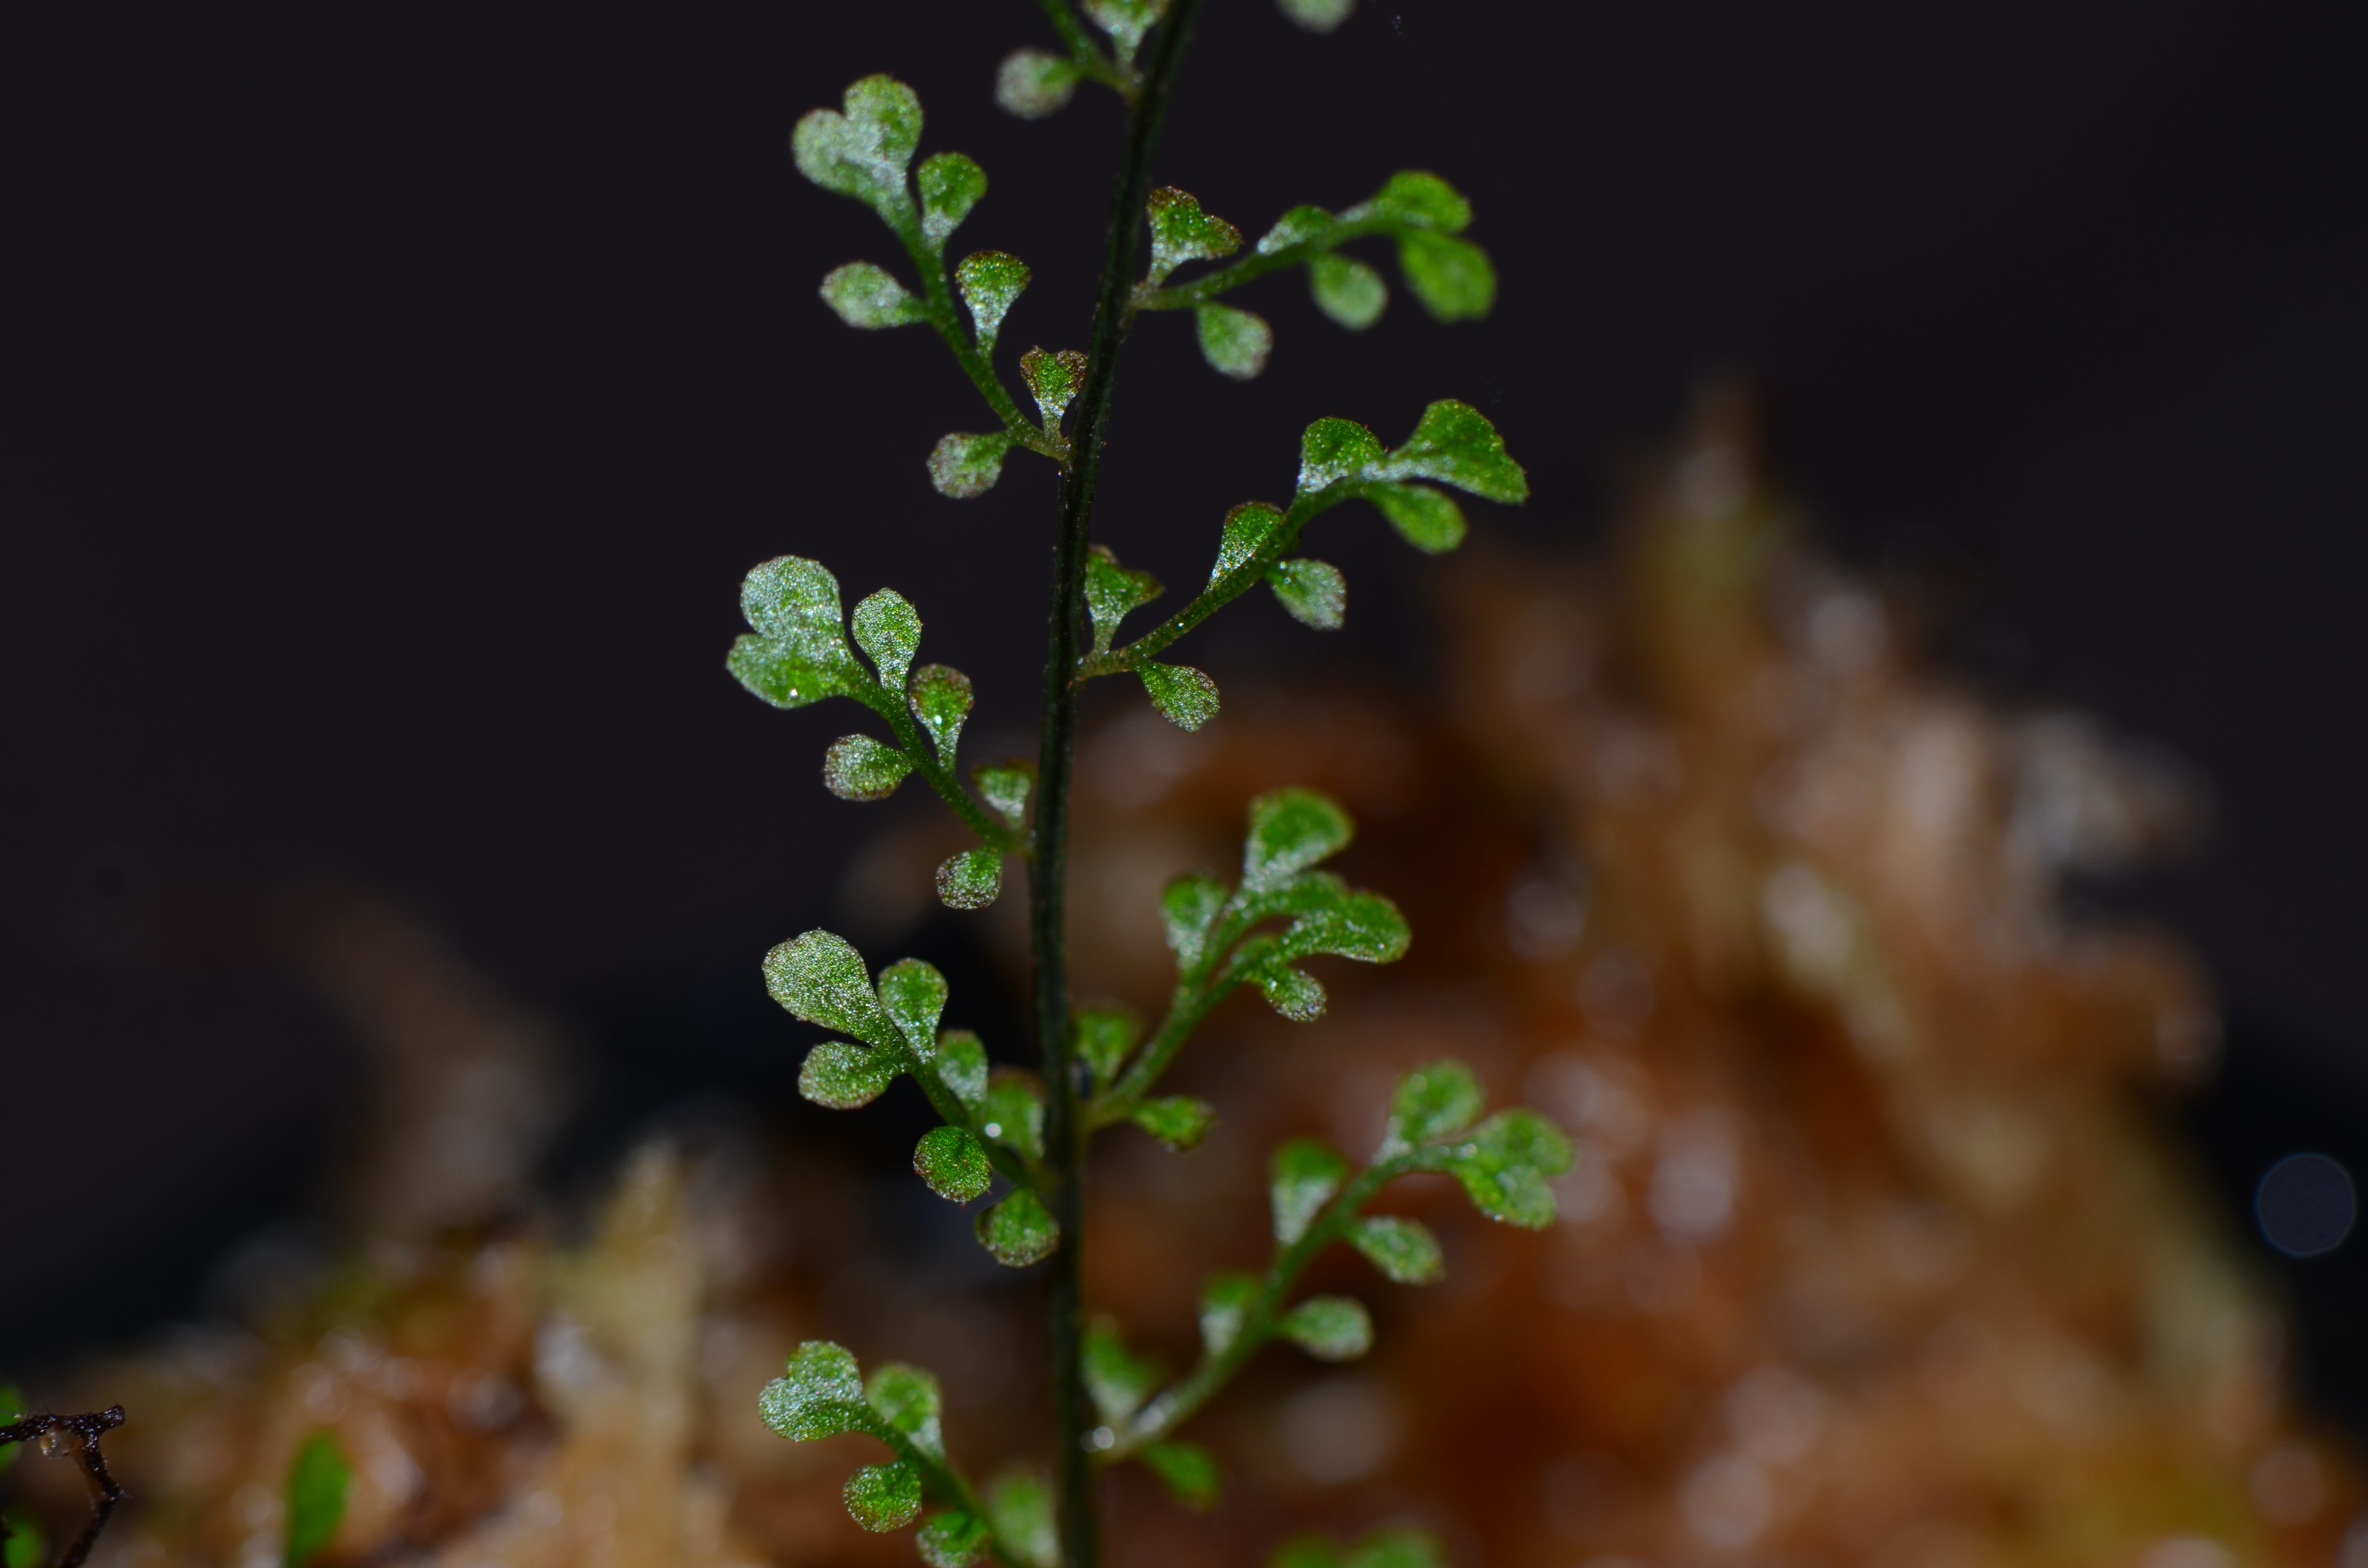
[(395, 392)]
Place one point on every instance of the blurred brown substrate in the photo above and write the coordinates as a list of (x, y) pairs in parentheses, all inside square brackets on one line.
[(1873, 1252)]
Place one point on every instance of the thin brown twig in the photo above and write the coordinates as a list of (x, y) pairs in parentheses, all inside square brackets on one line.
[(84, 1431)]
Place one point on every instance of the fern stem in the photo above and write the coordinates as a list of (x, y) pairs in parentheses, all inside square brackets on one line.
[(1065, 1129)]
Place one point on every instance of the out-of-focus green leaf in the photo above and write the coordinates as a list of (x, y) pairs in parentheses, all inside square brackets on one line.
[(1235, 343), (1307, 1176), (863, 150), (1504, 1167), (1112, 592), (1348, 290), (13, 1408), (1248, 526), (1291, 830), (858, 767), (952, 1162), (1224, 1308), (1455, 444), (1185, 697), (1018, 1231), (1430, 522), (1330, 1328), (950, 185), (913, 995), (1188, 907), (961, 1065), (1305, 1552), (846, 1077), (1013, 1112), (1188, 1471), (964, 465), (1405, 1250), (26, 1544), (820, 1394), (989, 280), (1313, 592), (952, 1539), (319, 1478), (1319, 15), (1180, 231), (1301, 225), (1331, 918), (1452, 278), (1004, 785), (820, 980), (1416, 199), (941, 697), (867, 296), (972, 878), (1126, 21), (883, 1497), (888, 629), (1106, 1036), (906, 1397), (1020, 1506), (1397, 1548), (1430, 1102), (1054, 379), (1118, 1378), (1178, 1120), (1031, 84)]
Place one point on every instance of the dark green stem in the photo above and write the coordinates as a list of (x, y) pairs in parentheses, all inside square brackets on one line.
[(1066, 1134), (1083, 50), (1225, 280), (937, 300), (889, 705)]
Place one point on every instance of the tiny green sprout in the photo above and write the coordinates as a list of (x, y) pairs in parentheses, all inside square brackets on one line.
[(990, 280), (950, 185), (951, 1161), (972, 878), (1126, 21), (1178, 1120), (1020, 1506), (1306, 1175), (1031, 84), (954, 1539), (1004, 787), (1235, 343), (1018, 1231), (319, 1478), (1348, 290), (1106, 1036), (1118, 1380), (1330, 1328), (1017, 1137), (1319, 15), (883, 1497), (1226, 1303), (1180, 231), (963, 466), (1404, 1250), (1054, 379), (867, 296), (1313, 592)]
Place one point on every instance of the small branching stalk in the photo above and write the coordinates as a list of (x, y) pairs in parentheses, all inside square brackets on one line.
[(1015, 1143), (76, 1436)]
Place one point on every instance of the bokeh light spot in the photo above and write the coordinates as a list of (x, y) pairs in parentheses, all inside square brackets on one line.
[(2306, 1205)]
